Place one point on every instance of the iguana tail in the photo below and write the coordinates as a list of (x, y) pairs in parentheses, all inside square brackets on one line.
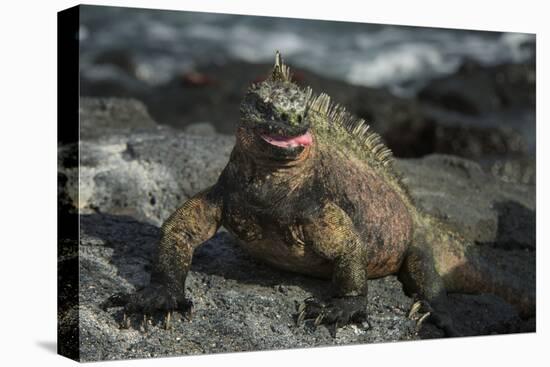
[(463, 267)]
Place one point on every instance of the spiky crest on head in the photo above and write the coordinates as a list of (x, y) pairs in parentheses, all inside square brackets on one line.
[(281, 72)]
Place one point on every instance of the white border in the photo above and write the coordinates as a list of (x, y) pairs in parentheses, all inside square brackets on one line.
[(28, 180)]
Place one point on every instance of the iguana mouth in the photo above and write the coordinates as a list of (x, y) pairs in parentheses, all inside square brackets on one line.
[(288, 141)]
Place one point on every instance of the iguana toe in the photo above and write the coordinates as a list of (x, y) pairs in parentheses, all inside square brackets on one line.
[(415, 308), (338, 311), (149, 300), (421, 311)]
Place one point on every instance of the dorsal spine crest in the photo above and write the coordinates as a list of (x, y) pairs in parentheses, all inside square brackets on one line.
[(336, 117), (281, 72)]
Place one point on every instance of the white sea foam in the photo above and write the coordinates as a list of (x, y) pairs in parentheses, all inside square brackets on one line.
[(205, 32), (157, 31), (247, 43), (398, 57), (514, 44), (82, 33), (398, 64)]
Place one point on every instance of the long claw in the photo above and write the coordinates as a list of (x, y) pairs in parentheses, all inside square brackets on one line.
[(414, 309), (167, 319), (301, 317), (302, 308), (125, 322), (319, 319), (144, 323), (334, 330), (422, 319)]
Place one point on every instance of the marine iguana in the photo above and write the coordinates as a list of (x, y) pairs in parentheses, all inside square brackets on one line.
[(310, 189)]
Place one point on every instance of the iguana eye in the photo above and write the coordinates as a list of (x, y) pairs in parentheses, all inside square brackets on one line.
[(299, 118), (284, 116)]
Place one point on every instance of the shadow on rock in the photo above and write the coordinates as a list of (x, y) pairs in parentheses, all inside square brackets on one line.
[(129, 247), (504, 271), (239, 303), (516, 226)]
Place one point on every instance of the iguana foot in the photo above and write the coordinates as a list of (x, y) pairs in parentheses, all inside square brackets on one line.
[(416, 314), (338, 311), (422, 310), (165, 321), (151, 299)]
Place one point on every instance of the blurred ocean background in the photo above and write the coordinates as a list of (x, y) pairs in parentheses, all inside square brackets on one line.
[(403, 59), (424, 90)]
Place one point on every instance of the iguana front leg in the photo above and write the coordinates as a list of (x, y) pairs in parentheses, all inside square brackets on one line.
[(194, 222), (331, 234)]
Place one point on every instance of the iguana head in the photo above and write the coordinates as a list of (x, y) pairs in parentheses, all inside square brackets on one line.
[(274, 113)]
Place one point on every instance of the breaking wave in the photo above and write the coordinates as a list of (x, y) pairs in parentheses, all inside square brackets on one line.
[(401, 58)]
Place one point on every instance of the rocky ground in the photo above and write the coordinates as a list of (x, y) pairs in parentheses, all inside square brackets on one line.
[(133, 173)]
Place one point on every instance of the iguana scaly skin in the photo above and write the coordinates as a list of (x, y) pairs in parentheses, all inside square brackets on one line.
[(310, 189)]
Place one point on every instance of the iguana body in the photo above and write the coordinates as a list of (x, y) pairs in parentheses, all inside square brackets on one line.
[(309, 189)]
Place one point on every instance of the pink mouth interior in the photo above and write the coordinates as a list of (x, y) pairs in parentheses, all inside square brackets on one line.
[(288, 141)]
